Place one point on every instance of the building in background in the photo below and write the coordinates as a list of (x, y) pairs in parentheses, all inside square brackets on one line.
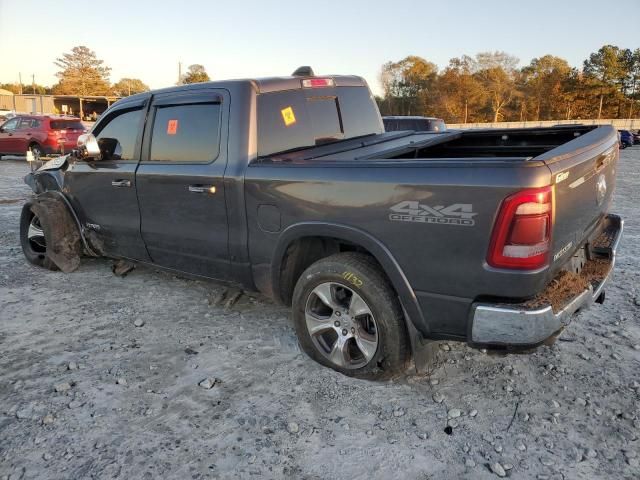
[(85, 107)]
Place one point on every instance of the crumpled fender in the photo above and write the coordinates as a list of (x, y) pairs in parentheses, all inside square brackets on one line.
[(64, 243)]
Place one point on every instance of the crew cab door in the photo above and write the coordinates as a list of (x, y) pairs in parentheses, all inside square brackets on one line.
[(103, 191), (180, 182)]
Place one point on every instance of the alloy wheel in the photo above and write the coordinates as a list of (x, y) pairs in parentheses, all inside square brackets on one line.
[(341, 325), (35, 235)]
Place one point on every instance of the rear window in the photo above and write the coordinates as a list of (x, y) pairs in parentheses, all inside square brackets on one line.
[(296, 119), (66, 125)]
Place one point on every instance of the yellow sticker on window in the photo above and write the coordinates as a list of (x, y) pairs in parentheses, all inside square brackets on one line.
[(288, 116)]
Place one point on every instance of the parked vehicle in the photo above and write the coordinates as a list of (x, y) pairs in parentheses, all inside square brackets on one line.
[(636, 137), (379, 241), (417, 124), (626, 138), (42, 134)]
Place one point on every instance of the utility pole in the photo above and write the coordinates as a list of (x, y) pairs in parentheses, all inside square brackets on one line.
[(33, 83), (20, 80), (179, 73)]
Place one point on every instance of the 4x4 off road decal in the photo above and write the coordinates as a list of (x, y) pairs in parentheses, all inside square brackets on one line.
[(456, 214)]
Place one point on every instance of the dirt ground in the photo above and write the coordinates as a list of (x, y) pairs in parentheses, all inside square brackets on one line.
[(85, 393)]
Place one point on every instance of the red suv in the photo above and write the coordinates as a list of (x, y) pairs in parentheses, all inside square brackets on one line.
[(43, 134)]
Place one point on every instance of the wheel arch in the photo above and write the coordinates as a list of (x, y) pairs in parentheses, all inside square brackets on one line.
[(334, 238), (42, 192)]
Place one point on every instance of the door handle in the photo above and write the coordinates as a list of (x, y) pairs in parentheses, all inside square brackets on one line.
[(121, 183), (202, 189)]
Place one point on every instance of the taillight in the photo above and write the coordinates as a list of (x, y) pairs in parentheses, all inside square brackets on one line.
[(317, 82), (521, 237)]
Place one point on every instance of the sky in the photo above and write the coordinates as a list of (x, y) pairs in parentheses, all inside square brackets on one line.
[(238, 39)]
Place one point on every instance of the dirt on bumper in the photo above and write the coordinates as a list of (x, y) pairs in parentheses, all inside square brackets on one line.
[(532, 322)]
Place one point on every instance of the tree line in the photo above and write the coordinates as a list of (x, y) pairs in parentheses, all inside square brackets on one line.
[(490, 87), (81, 72)]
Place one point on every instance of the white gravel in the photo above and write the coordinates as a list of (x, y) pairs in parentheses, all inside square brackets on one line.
[(275, 413)]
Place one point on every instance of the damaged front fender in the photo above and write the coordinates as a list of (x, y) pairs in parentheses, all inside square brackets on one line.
[(43, 181)]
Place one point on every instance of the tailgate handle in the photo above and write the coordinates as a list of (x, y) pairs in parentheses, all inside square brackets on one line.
[(121, 183)]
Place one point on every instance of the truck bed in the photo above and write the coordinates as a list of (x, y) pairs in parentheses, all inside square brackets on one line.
[(365, 185), (508, 144)]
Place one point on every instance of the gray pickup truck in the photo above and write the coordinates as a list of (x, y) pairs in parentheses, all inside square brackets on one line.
[(380, 241)]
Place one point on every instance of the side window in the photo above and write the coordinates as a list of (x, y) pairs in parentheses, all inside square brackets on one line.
[(117, 137), (25, 123), (186, 133), (10, 125)]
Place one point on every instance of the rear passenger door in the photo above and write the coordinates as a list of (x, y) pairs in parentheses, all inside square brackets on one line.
[(180, 182), (23, 134)]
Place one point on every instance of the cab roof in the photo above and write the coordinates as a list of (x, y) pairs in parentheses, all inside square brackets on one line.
[(261, 85)]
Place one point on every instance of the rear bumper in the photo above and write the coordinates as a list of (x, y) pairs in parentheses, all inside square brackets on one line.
[(517, 325)]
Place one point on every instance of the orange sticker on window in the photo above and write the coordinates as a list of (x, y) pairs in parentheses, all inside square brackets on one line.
[(172, 127), (288, 116)]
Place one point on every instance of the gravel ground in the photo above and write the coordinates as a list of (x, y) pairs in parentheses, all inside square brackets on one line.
[(99, 378)]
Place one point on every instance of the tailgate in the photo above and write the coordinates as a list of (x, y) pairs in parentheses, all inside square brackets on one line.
[(584, 173)]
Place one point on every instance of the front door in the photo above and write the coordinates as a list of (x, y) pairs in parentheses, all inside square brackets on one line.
[(8, 139), (180, 182), (103, 191)]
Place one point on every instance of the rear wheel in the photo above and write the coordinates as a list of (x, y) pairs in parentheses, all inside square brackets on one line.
[(347, 317), (33, 240)]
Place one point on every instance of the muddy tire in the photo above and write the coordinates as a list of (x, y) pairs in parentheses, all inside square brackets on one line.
[(348, 318), (33, 239)]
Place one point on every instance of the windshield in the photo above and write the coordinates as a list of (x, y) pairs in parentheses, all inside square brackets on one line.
[(304, 118)]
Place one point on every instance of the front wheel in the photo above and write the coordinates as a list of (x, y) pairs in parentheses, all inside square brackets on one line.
[(347, 317), (33, 239)]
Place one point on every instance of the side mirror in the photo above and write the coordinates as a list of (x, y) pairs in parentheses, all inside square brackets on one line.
[(88, 147)]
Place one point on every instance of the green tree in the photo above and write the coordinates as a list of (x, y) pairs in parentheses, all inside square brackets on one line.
[(82, 73), (129, 86), (407, 85), (496, 73), (606, 70), (26, 88), (195, 73), (460, 96), (544, 83)]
